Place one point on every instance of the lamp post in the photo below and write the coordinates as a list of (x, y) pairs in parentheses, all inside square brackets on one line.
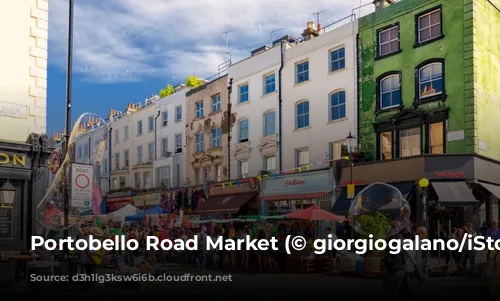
[(350, 142), (424, 183), (7, 193)]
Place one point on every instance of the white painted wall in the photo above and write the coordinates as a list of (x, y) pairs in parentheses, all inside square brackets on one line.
[(321, 84), (174, 127), (23, 75), (251, 71)]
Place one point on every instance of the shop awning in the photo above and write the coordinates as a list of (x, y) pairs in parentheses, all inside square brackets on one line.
[(493, 189), (454, 194), (296, 196), (228, 204)]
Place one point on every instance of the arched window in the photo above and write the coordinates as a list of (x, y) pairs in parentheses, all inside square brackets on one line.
[(269, 123), (243, 130), (390, 91), (302, 115), (337, 105), (430, 80)]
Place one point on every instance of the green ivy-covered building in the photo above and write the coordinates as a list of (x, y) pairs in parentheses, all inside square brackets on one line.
[(428, 90)]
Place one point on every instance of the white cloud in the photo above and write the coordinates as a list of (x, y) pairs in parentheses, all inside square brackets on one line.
[(131, 40)]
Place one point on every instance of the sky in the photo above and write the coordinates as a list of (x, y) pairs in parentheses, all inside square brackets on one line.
[(126, 50)]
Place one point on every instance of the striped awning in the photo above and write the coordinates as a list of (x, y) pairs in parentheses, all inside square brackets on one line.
[(296, 196)]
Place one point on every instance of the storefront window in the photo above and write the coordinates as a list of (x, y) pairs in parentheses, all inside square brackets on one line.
[(284, 207)]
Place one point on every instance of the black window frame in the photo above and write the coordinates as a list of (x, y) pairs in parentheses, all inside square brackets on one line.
[(442, 97), (378, 108), (417, 28), (379, 145), (382, 56)]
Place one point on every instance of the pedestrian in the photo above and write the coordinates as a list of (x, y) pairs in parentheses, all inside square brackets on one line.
[(469, 254), (394, 265), (493, 233), (449, 253), (332, 254), (202, 245)]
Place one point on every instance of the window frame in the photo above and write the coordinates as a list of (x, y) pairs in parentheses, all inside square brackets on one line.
[(339, 105), (331, 149), (140, 154), (266, 168), (242, 175), (429, 11), (151, 123), (380, 154), (215, 105), (177, 117), (117, 161), (379, 45), (297, 152), (247, 93), (438, 96), (379, 80), (139, 126), (265, 133), (164, 121), (200, 143), (151, 152), (199, 109), (126, 158), (177, 146), (240, 139), (399, 141), (302, 72), (126, 133), (217, 138), (304, 114), (164, 147), (331, 61), (428, 146), (266, 84)]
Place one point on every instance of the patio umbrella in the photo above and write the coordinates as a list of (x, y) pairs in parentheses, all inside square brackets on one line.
[(315, 213)]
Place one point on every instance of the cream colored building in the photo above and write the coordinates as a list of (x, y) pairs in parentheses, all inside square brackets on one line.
[(206, 132), (23, 72), (133, 146)]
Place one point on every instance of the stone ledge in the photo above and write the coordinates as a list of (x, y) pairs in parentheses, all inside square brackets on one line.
[(42, 24), (39, 33), (41, 83), (42, 43), (40, 102), (41, 122), (38, 111), (38, 13), (41, 63), (38, 72), (38, 92), (38, 52), (42, 4)]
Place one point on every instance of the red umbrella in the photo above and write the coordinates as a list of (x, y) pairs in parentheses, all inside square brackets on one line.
[(315, 213)]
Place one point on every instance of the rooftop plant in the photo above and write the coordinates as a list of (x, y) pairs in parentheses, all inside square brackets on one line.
[(193, 81), (168, 90)]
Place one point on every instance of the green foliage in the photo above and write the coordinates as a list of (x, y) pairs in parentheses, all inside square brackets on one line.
[(193, 81), (168, 90), (376, 224)]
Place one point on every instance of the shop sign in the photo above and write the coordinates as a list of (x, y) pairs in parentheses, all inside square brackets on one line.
[(13, 160), (13, 110), (450, 175), (234, 187), (82, 177), (298, 183)]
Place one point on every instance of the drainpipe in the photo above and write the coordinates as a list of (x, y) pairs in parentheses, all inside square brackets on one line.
[(110, 159), (229, 90), (156, 134), (358, 105), (280, 102)]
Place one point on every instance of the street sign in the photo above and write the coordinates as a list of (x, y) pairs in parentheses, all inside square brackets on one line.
[(82, 176)]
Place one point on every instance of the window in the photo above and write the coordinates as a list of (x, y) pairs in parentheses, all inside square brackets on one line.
[(125, 133), (429, 26), (117, 161), (302, 113), (269, 123), (269, 83), (139, 154), (206, 174), (218, 173), (301, 157), (146, 179), (151, 152), (200, 143), (137, 180), (117, 136), (164, 147), (165, 118), (79, 155), (151, 123), (104, 166), (127, 158), (123, 182), (178, 175), (216, 137), (436, 138), (243, 93), (85, 150), (216, 103), (336, 149), (409, 142), (270, 163), (430, 80), (197, 176), (386, 146), (243, 130), (178, 113), (199, 109), (337, 106), (163, 176), (178, 144), (139, 127), (388, 41), (242, 169), (302, 72), (337, 59), (390, 91)]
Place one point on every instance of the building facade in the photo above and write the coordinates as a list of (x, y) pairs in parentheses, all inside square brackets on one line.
[(170, 157), (207, 126), (254, 103), (133, 146), (319, 95)]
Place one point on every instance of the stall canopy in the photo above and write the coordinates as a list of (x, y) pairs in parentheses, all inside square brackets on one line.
[(228, 204), (87, 212), (123, 212), (315, 213), (454, 194), (493, 189), (156, 210)]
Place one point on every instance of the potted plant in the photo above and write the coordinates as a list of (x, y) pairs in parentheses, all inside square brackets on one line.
[(377, 225), (193, 81), (167, 91)]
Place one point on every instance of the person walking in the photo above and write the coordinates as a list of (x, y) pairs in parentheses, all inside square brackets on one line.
[(469, 254), (394, 265), (493, 233)]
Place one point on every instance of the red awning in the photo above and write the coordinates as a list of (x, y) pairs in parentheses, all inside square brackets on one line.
[(224, 204), (296, 196)]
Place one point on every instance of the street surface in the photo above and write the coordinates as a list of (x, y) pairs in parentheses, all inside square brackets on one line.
[(268, 285)]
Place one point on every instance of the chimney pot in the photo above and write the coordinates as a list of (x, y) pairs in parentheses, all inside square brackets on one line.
[(319, 28)]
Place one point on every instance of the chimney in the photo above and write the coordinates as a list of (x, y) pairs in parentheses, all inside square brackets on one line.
[(380, 4), (57, 137), (309, 32), (113, 114), (131, 108), (318, 29)]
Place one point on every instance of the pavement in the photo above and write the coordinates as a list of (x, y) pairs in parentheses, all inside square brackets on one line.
[(262, 285)]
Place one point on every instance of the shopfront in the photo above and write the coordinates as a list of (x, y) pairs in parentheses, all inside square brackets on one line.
[(239, 197), (146, 201), (23, 184), (288, 193), (118, 200)]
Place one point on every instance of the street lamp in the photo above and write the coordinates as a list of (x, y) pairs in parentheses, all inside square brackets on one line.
[(424, 183), (7, 193), (350, 142)]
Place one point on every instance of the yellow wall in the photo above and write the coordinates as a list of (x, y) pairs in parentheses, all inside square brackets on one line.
[(23, 68)]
